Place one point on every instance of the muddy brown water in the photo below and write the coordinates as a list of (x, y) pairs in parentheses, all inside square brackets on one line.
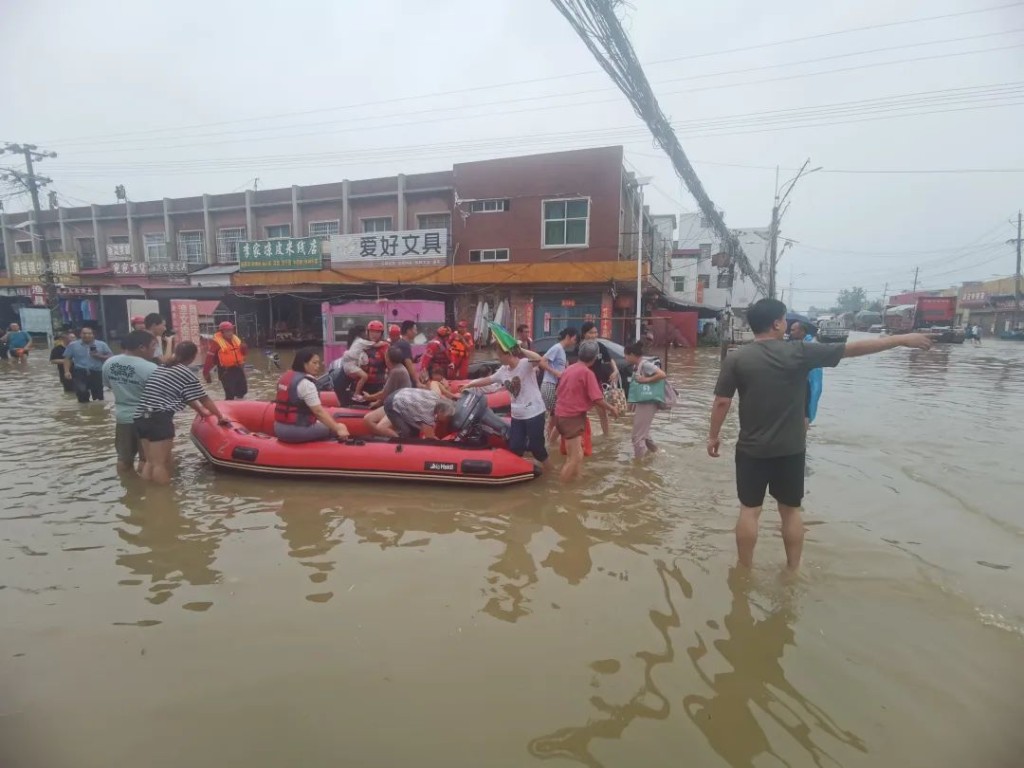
[(233, 621)]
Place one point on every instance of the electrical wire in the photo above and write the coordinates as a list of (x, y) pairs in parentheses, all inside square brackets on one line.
[(532, 81)]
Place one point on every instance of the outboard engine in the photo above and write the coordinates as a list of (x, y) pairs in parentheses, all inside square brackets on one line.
[(473, 421)]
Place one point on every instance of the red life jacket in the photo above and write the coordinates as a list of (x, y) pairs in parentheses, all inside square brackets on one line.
[(290, 409), (435, 356), (376, 370)]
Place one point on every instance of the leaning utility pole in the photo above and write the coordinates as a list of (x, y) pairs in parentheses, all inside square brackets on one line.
[(916, 270), (599, 28), (32, 183)]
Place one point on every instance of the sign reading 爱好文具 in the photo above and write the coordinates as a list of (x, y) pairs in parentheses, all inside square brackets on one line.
[(411, 248), (279, 255)]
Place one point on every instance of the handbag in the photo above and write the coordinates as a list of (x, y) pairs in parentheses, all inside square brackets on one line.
[(615, 397), (671, 396), (653, 392)]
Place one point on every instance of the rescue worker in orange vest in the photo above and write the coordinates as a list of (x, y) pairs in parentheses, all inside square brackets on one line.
[(227, 354), (466, 337), (436, 355), (299, 417)]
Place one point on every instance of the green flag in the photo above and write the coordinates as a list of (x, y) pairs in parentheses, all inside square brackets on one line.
[(505, 339)]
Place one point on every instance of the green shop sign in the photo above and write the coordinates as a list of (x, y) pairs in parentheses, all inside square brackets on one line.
[(280, 255)]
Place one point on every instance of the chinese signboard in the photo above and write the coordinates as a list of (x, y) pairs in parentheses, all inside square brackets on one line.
[(185, 320), (119, 252), (142, 268), (279, 255), (975, 299), (31, 265), (414, 248)]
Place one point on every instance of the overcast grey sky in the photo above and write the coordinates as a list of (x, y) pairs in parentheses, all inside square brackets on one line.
[(181, 98)]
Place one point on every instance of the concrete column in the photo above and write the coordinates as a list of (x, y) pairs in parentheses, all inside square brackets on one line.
[(346, 225), (168, 231), (64, 245), (249, 231), (101, 247), (33, 234), (211, 236), (296, 230), (133, 244), (8, 237), (401, 202)]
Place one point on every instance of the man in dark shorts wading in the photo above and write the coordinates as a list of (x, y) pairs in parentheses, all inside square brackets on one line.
[(770, 376)]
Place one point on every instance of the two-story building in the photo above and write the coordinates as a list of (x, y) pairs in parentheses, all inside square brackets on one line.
[(553, 235)]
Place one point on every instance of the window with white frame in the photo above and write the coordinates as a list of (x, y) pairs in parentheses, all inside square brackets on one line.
[(434, 220), (705, 251), (488, 206), (228, 239), (704, 280), (279, 231), (566, 222), (377, 224), (679, 284), (191, 248), (324, 228), (488, 255), (724, 279), (155, 245)]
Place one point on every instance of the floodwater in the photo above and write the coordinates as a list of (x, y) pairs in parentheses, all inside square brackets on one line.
[(231, 621)]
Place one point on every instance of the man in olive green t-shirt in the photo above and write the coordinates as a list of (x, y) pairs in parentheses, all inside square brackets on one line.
[(770, 376)]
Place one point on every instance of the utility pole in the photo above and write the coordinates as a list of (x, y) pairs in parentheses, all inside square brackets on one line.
[(777, 213), (1016, 280), (32, 183), (916, 270)]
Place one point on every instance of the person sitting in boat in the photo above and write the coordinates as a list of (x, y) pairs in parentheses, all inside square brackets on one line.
[(377, 360), (815, 378), (299, 416), (439, 384), (411, 412), (398, 376), (437, 355)]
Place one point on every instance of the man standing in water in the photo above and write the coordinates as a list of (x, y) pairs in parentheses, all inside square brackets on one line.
[(770, 376), (227, 355), (126, 377)]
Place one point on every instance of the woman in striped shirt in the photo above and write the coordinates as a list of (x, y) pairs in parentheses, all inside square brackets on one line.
[(168, 390)]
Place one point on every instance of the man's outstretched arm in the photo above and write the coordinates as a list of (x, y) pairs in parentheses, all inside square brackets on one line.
[(874, 346)]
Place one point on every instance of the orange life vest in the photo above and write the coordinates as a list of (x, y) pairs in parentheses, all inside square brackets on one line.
[(457, 350), (229, 353)]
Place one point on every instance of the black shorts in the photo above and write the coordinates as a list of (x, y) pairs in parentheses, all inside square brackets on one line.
[(156, 426), (781, 476)]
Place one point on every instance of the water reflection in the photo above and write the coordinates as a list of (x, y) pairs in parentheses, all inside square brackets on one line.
[(167, 545), (574, 742), (756, 687)]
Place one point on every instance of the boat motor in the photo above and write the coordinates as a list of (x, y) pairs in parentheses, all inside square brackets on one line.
[(473, 421)]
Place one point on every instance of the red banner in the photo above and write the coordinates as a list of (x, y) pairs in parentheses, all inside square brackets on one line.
[(185, 319), (606, 316)]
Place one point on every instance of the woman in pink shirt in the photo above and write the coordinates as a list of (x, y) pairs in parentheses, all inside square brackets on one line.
[(578, 391)]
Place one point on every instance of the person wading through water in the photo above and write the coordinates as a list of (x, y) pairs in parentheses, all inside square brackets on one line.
[(770, 375), (227, 354)]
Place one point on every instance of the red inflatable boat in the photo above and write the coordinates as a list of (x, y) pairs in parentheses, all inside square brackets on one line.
[(248, 445)]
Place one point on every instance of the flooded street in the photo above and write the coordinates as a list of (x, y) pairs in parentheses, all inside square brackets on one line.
[(233, 621)]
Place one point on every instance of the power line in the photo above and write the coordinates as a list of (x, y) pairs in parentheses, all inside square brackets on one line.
[(460, 109), (531, 81), (869, 107), (462, 116)]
